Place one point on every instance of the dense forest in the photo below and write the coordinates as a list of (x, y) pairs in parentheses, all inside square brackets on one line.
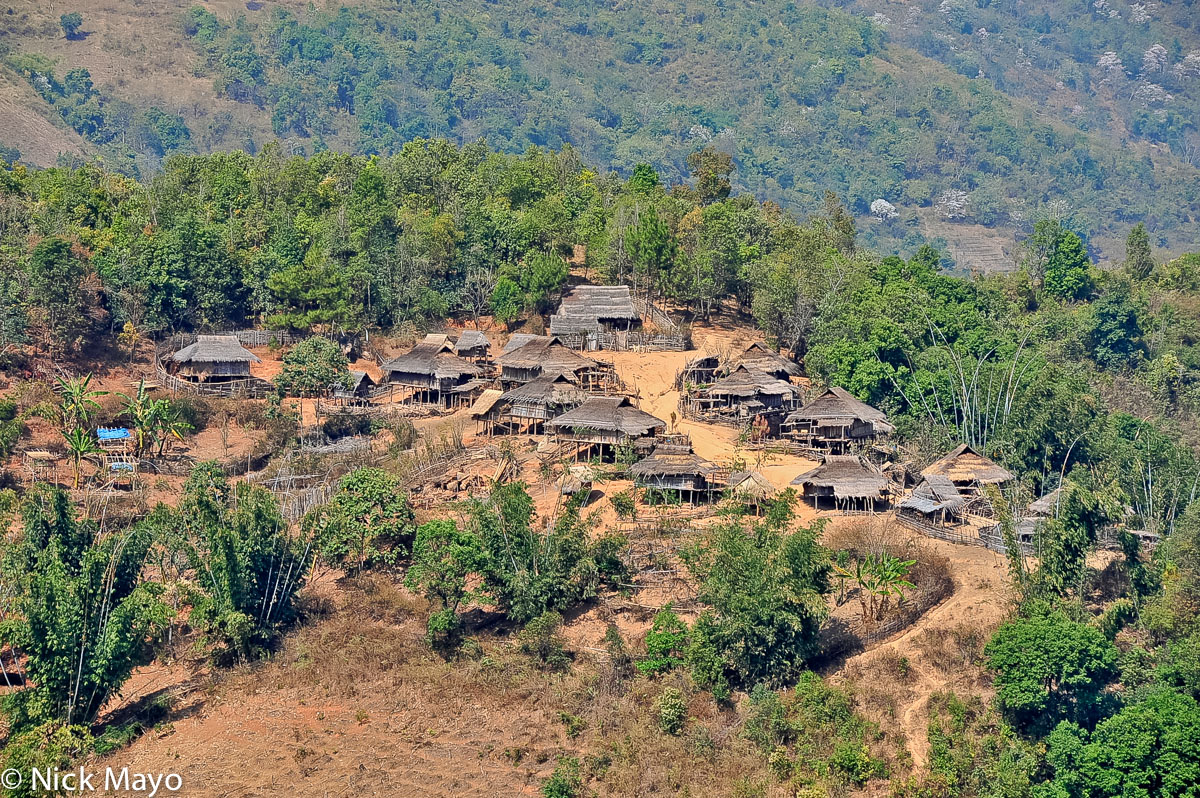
[(1069, 375), (804, 98)]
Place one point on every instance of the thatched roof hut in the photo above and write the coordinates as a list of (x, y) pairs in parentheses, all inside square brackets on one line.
[(534, 355), (849, 480), (606, 419), (472, 344), (1046, 506), (214, 356), (486, 401), (586, 310), (524, 407), (747, 384), (969, 469), (677, 472), (834, 419), (751, 487), (761, 357), (430, 364), (935, 499)]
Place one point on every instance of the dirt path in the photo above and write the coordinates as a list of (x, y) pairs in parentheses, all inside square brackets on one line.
[(978, 600)]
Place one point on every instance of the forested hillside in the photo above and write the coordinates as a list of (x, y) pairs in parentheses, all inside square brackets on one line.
[(903, 107)]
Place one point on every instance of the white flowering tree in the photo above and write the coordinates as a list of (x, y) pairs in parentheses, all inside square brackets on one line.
[(882, 209)]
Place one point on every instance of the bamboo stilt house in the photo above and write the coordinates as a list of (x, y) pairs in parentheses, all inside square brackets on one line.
[(746, 394), (526, 408), (758, 356), (969, 470), (835, 420), (936, 501), (213, 358), (433, 373), (689, 475), (844, 482), (527, 357), (588, 312), (473, 345), (604, 422)]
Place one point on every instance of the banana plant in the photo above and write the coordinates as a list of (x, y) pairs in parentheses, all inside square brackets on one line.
[(79, 445), (880, 577), (142, 411), (78, 400)]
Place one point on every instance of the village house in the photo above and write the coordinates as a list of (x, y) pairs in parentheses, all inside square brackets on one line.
[(751, 488), (844, 482), (602, 423), (526, 408), (835, 420), (689, 476), (213, 358), (758, 356), (595, 317), (473, 345), (745, 394), (433, 374), (935, 503), (526, 357), (969, 470)]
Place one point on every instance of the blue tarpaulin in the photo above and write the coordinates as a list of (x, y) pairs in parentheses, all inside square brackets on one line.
[(114, 434)]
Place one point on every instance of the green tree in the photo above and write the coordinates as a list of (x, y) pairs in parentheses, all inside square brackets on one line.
[(368, 522), (653, 247), (1068, 270), (1050, 668), (1114, 337), (1150, 748), (71, 23), (711, 169), (83, 614), (78, 400), (444, 559), (766, 587), (666, 643), (507, 300), (310, 295), (80, 444), (249, 569), (1139, 260), (56, 281), (644, 179), (313, 367)]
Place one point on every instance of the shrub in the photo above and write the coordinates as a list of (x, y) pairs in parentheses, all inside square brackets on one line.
[(368, 522), (312, 367), (48, 747), (565, 782), (540, 640), (671, 710), (666, 643), (344, 425)]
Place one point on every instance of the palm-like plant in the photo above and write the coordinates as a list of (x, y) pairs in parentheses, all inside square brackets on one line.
[(141, 410), (79, 445), (169, 424), (880, 577), (78, 400)]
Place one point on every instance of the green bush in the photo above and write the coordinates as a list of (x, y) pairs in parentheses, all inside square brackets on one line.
[(666, 643), (670, 710), (540, 640), (565, 782)]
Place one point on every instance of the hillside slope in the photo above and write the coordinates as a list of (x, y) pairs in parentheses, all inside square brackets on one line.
[(807, 99)]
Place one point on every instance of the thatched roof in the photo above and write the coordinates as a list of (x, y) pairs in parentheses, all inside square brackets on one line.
[(576, 479), (751, 485), (215, 349), (432, 357), (518, 340), (837, 407), (965, 465), (586, 307), (546, 389), (358, 378), (546, 354), (1047, 506), (746, 381), (608, 414), (471, 341), (935, 493), (673, 465), (848, 476), (760, 357), (485, 403)]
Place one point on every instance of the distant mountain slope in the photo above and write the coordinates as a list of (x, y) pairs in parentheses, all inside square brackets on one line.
[(806, 98)]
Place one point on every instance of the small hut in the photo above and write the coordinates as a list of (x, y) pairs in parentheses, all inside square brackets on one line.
[(689, 475), (969, 470), (213, 358), (434, 374), (527, 407), (835, 420), (604, 422), (700, 370), (758, 356), (577, 480), (748, 393), (847, 482), (473, 345), (1046, 506), (751, 488), (590, 316), (529, 356), (934, 502)]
